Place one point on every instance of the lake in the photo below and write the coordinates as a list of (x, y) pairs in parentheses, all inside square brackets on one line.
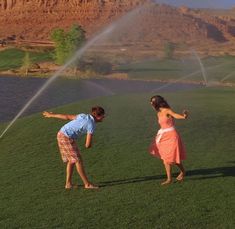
[(15, 92)]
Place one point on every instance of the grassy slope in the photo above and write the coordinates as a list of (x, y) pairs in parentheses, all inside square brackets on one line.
[(12, 58), (32, 174), (216, 69)]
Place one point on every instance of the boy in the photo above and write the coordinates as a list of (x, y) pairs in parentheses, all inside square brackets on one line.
[(80, 124)]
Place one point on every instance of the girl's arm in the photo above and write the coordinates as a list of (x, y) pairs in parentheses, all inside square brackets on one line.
[(47, 114), (184, 115)]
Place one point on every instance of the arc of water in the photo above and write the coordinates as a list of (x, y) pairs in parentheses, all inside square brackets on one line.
[(170, 83), (207, 69), (228, 76), (59, 72), (100, 87), (211, 68), (77, 55), (201, 66)]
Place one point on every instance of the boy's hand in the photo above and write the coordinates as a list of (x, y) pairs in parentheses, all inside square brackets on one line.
[(47, 114), (185, 114)]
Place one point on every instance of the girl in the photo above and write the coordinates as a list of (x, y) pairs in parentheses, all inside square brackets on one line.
[(167, 144)]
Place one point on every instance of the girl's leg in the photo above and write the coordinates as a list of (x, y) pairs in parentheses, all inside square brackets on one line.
[(81, 172), (181, 175), (69, 173), (168, 173)]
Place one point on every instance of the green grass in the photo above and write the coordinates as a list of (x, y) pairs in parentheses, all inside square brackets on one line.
[(32, 174), (12, 58), (219, 69), (153, 69)]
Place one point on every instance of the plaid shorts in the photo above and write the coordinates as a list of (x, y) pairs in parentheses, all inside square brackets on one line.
[(68, 148)]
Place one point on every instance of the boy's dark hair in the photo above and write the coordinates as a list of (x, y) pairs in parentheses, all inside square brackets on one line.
[(97, 111), (159, 102)]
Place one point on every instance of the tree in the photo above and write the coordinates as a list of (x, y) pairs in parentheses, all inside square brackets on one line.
[(169, 49), (58, 36), (66, 43), (27, 63)]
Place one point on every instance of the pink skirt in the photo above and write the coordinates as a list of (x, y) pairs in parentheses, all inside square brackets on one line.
[(170, 148), (68, 148)]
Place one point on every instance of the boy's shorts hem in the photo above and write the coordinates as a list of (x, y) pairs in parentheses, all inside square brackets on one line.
[(68, 148)]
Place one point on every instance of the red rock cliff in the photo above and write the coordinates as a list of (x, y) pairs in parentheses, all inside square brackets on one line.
[(35, 19)]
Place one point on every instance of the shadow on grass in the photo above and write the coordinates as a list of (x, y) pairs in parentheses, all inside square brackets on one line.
[(130, 180), (198, 174), (212, 173)]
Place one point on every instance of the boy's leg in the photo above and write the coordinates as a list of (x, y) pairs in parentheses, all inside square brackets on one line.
[(82, 173), (181, 175), (168, 173), (69, 173)]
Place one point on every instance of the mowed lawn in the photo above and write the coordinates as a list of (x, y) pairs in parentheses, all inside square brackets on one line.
[(32, 174), (216, 69), (13, 58)]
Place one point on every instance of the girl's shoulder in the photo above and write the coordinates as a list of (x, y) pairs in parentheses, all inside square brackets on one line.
[(164, 110)]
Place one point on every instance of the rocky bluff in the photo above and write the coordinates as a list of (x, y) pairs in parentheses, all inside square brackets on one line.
[(34, 20)]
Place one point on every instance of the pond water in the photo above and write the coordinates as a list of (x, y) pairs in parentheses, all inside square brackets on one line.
[(15, 92)]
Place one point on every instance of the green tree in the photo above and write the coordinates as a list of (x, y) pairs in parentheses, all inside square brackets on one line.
[(26, 64), (58, 36), (169, 49), (66, 43)]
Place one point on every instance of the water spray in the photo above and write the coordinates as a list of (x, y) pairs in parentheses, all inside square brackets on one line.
[(100, 87), (201, 66), (170, 83), (228, 76), (77, 55)]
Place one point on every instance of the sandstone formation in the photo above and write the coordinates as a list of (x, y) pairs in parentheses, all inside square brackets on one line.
[(35, 19), (223, 24)]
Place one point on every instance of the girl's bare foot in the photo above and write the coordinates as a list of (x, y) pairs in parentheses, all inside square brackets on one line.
[(90, 186), (166, 182), (180, 177)]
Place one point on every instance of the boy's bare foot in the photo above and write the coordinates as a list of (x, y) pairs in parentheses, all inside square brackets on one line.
[(91, 186), (68, 186), (180, 177), (166, 182)]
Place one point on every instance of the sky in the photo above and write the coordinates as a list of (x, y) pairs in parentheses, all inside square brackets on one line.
[(201, 3)]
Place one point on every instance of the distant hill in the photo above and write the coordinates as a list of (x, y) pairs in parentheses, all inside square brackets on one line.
[(33, 20)]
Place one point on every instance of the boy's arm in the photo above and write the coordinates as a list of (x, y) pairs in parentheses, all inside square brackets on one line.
[(47, 114), (88, 140), (178, 116)]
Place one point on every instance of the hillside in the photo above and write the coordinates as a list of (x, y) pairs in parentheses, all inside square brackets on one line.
[(35, 19), (204, 29)]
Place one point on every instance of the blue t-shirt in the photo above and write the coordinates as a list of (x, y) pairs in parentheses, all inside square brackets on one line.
[(82, 124)]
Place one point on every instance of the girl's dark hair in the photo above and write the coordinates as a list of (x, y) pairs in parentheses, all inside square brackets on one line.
[(97, 111), (158, 102)]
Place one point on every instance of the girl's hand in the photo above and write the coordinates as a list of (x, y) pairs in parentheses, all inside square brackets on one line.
[(185, 114)]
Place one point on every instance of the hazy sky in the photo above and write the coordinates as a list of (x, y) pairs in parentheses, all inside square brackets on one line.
[(201, 3)]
